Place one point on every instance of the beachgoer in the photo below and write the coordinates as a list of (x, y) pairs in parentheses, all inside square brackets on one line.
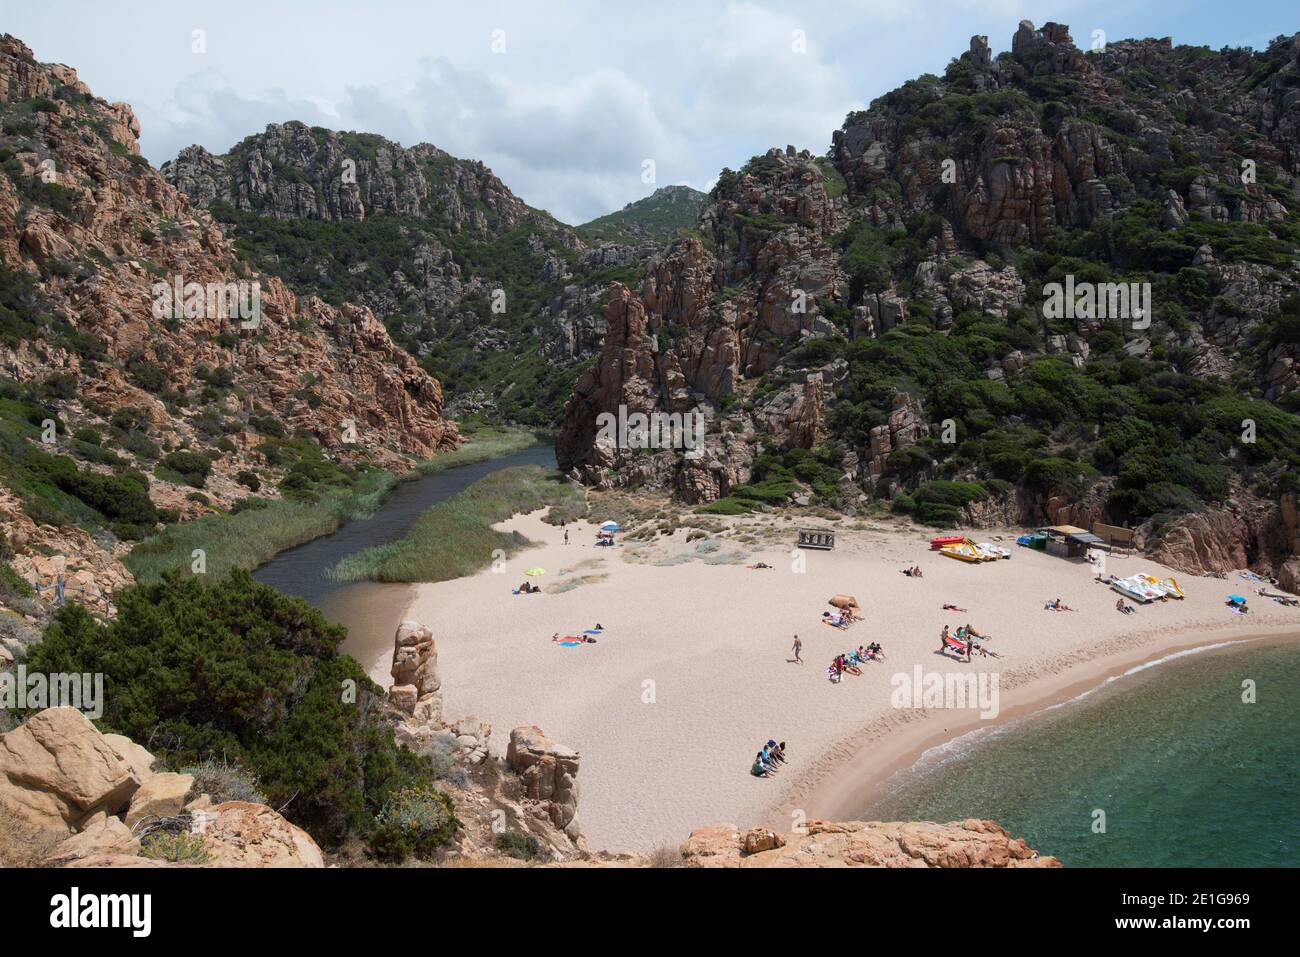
[(797, 648), (566, 536), (758, 770)]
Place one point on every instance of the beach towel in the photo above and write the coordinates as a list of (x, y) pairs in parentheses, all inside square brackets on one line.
[(592, 631)]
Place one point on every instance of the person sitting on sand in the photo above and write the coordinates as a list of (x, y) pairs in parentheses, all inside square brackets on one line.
[(759, 770), (916, 572), (760, 565), (877, 651)]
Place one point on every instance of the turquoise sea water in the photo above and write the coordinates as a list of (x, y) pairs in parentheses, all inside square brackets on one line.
[(1186, 774)]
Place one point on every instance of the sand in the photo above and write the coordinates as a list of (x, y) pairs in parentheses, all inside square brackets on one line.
[(692, 672)]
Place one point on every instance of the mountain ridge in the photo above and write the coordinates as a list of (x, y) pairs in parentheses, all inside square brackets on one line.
[(865, 329)]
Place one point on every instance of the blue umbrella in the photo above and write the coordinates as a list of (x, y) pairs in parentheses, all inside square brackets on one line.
[(611, 527), (1236, 599)]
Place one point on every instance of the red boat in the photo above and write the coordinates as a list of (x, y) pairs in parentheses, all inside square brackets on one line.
[(938, 543)]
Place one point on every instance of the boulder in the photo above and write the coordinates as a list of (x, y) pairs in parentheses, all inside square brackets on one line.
[(548, 772), (139, 759), (101, 835), (57, 770), (162, 795), (417, 688), (970, 843), (239, 834)]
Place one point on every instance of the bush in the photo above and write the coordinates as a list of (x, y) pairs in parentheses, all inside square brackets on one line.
[(249, 480), (235, 671), (178, 848), (414, 822), (191, 466), (223, 781), (524, 847)]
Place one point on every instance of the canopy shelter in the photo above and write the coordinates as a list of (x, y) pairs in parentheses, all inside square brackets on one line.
[(844, 602), (1070, 541)]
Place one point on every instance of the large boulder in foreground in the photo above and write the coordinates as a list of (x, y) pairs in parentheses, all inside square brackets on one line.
[(970, 843), (56, 771)]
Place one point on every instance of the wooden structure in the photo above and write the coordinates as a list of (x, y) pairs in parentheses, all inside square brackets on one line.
[(1069, 541), (816, 538), (1117, 538)]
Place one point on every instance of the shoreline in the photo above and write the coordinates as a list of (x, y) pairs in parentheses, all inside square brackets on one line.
[(850, 790), (710, 639)]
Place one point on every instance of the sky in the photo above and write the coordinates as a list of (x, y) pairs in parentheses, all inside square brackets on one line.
[(566, 102)]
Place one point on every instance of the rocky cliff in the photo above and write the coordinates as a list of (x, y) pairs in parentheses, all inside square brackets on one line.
[(885, 323), (131, 329)]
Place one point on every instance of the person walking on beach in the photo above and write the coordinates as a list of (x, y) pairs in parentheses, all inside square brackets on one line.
[(566, 536), (798, 647)]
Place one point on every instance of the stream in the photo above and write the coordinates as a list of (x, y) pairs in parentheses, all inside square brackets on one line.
[(371, 611)]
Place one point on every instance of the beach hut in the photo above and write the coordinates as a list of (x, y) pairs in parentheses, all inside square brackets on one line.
[(1070, 541)]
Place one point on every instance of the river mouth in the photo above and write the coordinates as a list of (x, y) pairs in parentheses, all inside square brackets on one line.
[(371, 611)]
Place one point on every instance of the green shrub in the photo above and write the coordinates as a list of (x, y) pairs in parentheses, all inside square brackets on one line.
[(234, 671), (193, 467), (524, 847), (180, 847), (414, 822)]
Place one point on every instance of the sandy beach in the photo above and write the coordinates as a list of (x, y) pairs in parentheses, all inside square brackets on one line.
[(692, 672)]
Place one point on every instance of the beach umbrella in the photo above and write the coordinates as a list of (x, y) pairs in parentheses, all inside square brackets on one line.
[(535, 571), (611, 527), (1237, 599)]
